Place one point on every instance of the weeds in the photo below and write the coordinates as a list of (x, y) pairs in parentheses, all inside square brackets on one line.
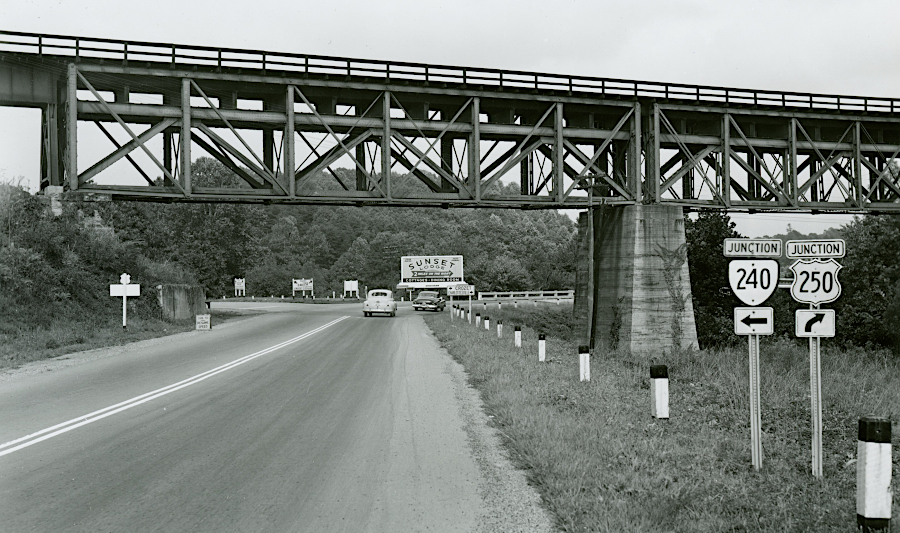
[(602, 463)]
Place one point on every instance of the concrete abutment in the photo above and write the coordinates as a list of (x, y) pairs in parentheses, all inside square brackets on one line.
[(642, 290)]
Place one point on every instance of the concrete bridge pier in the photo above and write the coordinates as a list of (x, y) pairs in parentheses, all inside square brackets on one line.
[(642, 290)]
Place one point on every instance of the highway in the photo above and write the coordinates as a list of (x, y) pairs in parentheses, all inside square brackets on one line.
[(306, 418)]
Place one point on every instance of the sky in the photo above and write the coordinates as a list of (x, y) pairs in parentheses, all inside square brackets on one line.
[(823, 46)]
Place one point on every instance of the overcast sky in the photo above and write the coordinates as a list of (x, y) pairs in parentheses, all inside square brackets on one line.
[(824, 46)]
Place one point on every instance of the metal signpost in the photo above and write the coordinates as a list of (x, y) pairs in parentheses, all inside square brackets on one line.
[(753, 281), (462, 289), (815, 282), (125, 289)]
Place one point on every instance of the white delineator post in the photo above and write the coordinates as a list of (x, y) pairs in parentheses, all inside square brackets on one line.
[(584, 362), (487, 323), (499, 306), (469, 316), (125, 289), (542, 348), (518, 336), (499, 329), (659, 391), (873, 475), (477, 319)]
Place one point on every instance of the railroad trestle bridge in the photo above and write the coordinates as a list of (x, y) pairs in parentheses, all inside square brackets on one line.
[(289, 126)]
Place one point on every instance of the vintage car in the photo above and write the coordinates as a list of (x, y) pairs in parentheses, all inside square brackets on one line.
[(380, 301), (429, 301)]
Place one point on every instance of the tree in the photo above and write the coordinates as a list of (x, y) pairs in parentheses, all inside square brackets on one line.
[(709, 274)]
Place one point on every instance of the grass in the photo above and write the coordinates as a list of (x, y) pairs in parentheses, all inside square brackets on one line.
[(18, 347), (601, 463)]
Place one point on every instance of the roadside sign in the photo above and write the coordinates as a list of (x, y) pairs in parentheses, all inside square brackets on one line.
[(125, 289), (753, 280), (752, 248), (754, 321), (203, 322), (815, 281), (816, 248), (461, 290), (814, 323)]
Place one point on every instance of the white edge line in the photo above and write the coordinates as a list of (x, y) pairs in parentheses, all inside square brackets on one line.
[(74, 423)]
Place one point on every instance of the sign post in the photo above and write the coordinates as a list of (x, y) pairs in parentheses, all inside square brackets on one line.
[(815, 282), (240, 287), (125, 289), (753, 281)]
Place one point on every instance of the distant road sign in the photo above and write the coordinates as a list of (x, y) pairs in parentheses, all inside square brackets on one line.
[(753, 280), (815, 281), (752, 248), (813, 249), (461, 290), (754, 321), (814, 322)]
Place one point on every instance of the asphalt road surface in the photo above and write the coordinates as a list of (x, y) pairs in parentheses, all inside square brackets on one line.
[(307, 418)]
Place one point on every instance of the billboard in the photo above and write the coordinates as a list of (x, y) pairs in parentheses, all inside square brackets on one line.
[(431, 271), (302, 285)]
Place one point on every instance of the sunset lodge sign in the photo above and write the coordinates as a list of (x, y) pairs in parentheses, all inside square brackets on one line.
[(431, 271)]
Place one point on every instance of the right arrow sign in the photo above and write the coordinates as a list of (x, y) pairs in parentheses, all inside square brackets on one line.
[(814, 323)]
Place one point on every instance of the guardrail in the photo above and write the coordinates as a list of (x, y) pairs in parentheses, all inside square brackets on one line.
[(527, 295), (216, 57)]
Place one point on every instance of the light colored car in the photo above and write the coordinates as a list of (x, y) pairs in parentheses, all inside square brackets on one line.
[(380, 301), (429, 301)]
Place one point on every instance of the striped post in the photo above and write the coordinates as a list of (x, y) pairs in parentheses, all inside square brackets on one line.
[(477, 319), (518, 336), (487, 323), (584, 362), (499, 329), (542, 348), (873, 475), (659, 391)]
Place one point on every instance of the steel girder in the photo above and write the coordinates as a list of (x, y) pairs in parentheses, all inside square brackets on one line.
[(404, 145), (363, 140), (770, 160)]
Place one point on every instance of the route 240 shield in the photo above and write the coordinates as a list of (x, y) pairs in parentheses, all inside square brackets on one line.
[(753, 280), (815, 281)]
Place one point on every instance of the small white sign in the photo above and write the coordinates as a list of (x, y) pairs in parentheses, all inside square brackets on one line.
[(753, 280), (461, 290), (239, 284), (203, 322), (302, 285), (815, 281), (132, 289), (752, 248), (754, 321), (814, 322), (811, 249)]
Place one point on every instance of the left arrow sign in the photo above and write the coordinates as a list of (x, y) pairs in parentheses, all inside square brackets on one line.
[(754, 321)]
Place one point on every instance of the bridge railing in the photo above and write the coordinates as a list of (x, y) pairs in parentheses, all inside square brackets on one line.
[(179, 54), (527, 295)]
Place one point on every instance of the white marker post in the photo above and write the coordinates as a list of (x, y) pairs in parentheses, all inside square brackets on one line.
[(542, 348), (469, 315), (125, 289), (873, 475), (499, 329), (659, 391), (487, 323), (477, 319), (584, 363), (518, 336)]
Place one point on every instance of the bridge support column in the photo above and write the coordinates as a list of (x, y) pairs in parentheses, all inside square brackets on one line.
[(642, 294)]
